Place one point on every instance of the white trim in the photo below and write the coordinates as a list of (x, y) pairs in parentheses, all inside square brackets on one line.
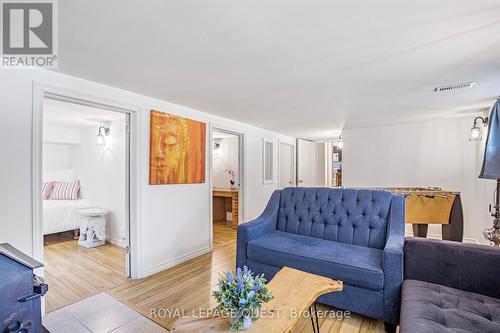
[(294, 150), (128, 161), (210, 190), (273, 162), (42, 90), (471, 240), (242, 172), (174, 262), (36, 169), (117, 242)]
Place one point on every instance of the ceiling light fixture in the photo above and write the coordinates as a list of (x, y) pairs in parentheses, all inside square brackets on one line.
[(475, 132), (101, 142)]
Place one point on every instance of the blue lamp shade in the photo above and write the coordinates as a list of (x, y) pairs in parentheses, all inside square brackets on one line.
[(491, 161)]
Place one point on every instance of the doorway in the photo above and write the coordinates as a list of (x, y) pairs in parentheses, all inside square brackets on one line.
[(84, 217), (227, 185), (334, 163), (286, 165), (311, 163), (319, 163)]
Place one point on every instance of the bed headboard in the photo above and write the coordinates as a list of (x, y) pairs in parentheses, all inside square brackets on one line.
[(59, 175)]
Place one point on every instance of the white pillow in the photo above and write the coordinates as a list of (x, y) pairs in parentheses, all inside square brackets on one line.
[(59, 175)]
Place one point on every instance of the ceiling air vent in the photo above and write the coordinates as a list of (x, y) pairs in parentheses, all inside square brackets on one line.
[(455, 86)]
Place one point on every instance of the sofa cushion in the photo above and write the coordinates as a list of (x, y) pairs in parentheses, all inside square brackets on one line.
[(350, 216), (428, 307), (355, 265)]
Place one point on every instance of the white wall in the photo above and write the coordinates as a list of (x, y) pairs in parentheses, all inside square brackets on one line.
[(55, 156), (56, 133), (101, 171), (433, 153), (58, 141), (173, 220), (226, 157)]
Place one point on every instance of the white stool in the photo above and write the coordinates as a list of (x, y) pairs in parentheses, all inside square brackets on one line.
[(92, 227)]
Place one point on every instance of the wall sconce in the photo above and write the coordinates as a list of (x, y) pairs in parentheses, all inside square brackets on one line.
[(216, 149), (101, 142), (475, 131)]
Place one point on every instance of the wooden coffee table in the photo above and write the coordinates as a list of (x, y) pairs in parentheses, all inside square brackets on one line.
[(294, 291)]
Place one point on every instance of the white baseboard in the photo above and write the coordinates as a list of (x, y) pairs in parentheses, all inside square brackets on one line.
[(117, 242), (173, 262), (436, 236)]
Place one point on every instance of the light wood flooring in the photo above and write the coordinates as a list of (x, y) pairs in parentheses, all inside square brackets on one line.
[(224, 233), (185, 287), (74, 272)]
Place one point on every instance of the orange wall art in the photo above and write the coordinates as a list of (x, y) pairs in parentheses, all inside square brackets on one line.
[(177, 150)]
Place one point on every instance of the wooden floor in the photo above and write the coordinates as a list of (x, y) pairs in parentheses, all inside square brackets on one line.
[(185, 288), (223, 233), (74, 272)]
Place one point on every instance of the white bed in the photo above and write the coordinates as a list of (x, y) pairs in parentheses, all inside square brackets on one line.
[(60, 215)]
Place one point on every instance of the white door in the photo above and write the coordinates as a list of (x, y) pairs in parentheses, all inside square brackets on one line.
[(287, 165), (304, 164), (311, 163)]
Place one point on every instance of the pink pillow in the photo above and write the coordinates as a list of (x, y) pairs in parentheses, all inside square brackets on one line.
[(65, 191), (46, 189)]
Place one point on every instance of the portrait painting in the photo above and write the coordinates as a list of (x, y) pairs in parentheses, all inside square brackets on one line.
[(177, 150)]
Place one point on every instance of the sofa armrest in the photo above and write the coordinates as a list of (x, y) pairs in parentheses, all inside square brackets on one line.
[(469, 267), (265, 223), (393, 260)]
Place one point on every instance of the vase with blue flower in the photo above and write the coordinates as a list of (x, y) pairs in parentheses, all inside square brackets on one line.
[(240, 296)]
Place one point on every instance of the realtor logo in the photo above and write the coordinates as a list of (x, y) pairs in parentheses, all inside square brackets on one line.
[(29, 33)]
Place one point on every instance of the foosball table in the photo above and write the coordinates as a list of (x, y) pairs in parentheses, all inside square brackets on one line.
[(432, 205)]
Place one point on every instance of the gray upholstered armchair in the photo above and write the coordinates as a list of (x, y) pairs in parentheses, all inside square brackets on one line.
[(351, 235), (450, 287)]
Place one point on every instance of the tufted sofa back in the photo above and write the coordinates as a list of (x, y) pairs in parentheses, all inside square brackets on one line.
[(351, 216)]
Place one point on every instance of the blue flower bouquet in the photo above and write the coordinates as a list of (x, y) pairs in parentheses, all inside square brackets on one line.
[(240, 297)]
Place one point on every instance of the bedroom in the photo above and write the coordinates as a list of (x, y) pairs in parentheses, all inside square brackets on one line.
[(85, 219)]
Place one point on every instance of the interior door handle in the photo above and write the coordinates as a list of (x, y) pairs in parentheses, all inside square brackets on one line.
[(301, 181), (290, 182)]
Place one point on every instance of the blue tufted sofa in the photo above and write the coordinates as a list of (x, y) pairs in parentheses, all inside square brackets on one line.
[(351, 235)]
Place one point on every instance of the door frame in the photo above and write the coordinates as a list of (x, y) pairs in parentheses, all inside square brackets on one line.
[(242, 197), (294, 162), (42, 91)]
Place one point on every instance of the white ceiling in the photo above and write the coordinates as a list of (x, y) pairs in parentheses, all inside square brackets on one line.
[(298, 67), (75, 115)]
